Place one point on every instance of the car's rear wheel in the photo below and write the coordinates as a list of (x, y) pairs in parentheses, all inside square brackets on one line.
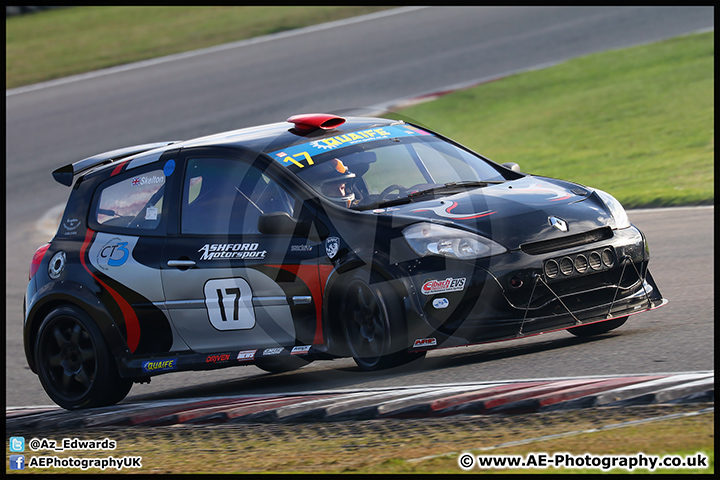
[(74, 365), (597, 328), (374, 324)]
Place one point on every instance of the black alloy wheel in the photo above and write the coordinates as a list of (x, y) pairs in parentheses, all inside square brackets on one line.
[(74, 365), (373, 324)]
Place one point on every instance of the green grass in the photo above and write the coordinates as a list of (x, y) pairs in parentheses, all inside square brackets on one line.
[(638, 123), (57, 43)]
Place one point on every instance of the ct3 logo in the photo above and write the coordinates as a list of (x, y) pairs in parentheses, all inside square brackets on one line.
[(113, 254)]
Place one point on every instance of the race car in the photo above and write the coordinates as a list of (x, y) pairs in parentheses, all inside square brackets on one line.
[(316, 238)]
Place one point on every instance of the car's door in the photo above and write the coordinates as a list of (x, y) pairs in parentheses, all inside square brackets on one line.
[(228, 286)]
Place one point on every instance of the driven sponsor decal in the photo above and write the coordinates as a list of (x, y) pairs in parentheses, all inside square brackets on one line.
[(231, 251), (301, 155), (431, 287), (159, 365), (218, 358), (425, 342), (246, 355)]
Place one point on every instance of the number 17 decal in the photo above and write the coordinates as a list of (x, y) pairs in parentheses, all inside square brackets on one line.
[(229, 304)]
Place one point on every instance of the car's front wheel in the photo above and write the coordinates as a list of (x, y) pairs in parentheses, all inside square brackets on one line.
[(74, 365), (374, 324), (597, 328)]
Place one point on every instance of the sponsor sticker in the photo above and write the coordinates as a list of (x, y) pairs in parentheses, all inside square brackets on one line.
[(301, 155), (425, 342), (246, 355), (218, 358), (151, 213), (432, 287), (300, 350), (159, 365), (332, 246), (441, 303), (113, 254), (169, 167), (70, 225), (273, 351), (301, 248), (231, 251), (147, 180)]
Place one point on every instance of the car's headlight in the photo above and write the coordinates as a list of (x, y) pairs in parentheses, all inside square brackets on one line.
[(616, 209), (432, 239)]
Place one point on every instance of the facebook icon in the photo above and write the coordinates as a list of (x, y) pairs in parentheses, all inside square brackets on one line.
[(17, 462)]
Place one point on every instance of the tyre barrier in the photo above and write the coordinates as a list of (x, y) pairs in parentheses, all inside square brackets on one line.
[(487, 398)]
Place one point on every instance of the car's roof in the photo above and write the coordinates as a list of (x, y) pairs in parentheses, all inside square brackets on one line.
[(261, 138), (275, 136)]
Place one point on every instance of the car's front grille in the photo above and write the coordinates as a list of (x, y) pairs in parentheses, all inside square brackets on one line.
[(579, 264), (546, 246)]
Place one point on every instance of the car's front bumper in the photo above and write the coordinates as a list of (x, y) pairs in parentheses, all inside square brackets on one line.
[(518, 294)]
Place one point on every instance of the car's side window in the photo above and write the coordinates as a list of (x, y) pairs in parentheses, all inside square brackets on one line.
[(133, 202), (227, 196)]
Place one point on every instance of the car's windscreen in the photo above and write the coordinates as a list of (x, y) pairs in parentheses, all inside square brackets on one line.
[(396, 163)]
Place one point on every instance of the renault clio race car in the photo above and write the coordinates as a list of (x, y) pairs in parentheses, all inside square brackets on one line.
[(316, 238)]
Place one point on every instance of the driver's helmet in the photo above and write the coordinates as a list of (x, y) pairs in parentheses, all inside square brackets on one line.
[(335, 182)]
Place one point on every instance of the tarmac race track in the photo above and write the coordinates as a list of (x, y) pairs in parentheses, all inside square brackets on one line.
[(363, 64)]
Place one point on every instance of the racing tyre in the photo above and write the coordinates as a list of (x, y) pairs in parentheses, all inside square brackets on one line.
[(597, 328), (75, 366), (373, 340), (281, 364)]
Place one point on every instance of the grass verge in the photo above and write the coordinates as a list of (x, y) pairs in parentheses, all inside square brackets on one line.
[(638, 123), (393, 446), (67, 41)]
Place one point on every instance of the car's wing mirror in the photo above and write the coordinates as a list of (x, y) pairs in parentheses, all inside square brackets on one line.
[(281, 223)]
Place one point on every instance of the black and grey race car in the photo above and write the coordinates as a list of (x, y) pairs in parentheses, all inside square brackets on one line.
[(316, 238)]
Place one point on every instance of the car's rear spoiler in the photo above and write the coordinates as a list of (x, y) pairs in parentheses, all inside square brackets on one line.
[(65, 175)]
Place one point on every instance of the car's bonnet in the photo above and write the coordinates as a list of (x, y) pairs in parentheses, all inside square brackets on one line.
[(516, 212)]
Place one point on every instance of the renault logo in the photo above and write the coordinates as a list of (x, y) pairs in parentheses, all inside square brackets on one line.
[(558, 223)]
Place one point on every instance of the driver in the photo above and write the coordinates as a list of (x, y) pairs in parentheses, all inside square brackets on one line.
[(335, 181)]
